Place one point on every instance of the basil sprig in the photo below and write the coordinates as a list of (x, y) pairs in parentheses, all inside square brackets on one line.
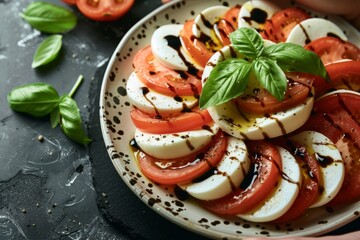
[(41, 99), (230, 77), (49, 18), (47, 51)]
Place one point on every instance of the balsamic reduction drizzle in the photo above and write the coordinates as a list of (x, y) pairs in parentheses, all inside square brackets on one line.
[(258, 15), (175, 43)]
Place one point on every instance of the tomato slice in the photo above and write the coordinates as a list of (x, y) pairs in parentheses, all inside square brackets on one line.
[(277, 29), (343, 104), (261, 181), (71, 2), (228, 24), (104, 10), (262, 102), (345, 75), (164, 80), (195, 47), (332, 49), (311, 180), (187, 121), (186, 169), (344, 132)]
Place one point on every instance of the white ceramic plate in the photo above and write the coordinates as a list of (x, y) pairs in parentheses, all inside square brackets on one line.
[(118, 131)]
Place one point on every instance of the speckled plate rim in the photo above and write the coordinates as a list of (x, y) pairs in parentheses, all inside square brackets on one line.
[(117, 131)]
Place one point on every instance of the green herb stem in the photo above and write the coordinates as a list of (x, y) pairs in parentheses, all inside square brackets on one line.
[(76, 85)]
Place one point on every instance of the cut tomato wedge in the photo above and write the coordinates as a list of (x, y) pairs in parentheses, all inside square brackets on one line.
[(332, 49), (186, 169), (261, 182), (277, 29), (184, 122), (164, 80), (104, 10), (262, 102)]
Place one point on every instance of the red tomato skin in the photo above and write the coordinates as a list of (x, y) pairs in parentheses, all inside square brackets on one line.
[(104, 10), (243, 200), (71, 2), (332, 49), (164, 80), (187, 121), (281, 23), (187, 168)]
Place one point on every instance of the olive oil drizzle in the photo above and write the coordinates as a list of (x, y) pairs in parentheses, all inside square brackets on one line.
[(145, 91)]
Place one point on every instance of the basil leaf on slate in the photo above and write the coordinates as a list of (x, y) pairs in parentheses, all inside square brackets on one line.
[(36, 99), (70, 120), (271, 77), (226, 81), (294, 58), (47, 51), (49, 18), (55, 117), (247, 42)]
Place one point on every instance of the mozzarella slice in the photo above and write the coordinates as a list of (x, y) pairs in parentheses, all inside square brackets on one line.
[(156, 103), (204, 22), (174, 145), (255, 13), (284, 195), (166, 46), (245, 126), (313, 28), (332, 166), (229, 173)]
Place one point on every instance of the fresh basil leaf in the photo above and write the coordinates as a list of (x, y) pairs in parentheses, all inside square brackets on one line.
[(49, 18), (248, 42), (226, 81), (271, 77), (47, 51), (55, 117), (36, 99), (294, 58), (70, 120)]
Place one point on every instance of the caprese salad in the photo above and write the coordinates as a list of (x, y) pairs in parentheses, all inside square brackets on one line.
[(251, 110)]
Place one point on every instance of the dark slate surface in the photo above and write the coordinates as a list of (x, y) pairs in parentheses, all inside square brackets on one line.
[(57, 189)]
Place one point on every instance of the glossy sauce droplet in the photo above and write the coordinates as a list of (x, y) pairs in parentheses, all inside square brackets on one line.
[(180, 193), (324, 161), (257, 15)]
